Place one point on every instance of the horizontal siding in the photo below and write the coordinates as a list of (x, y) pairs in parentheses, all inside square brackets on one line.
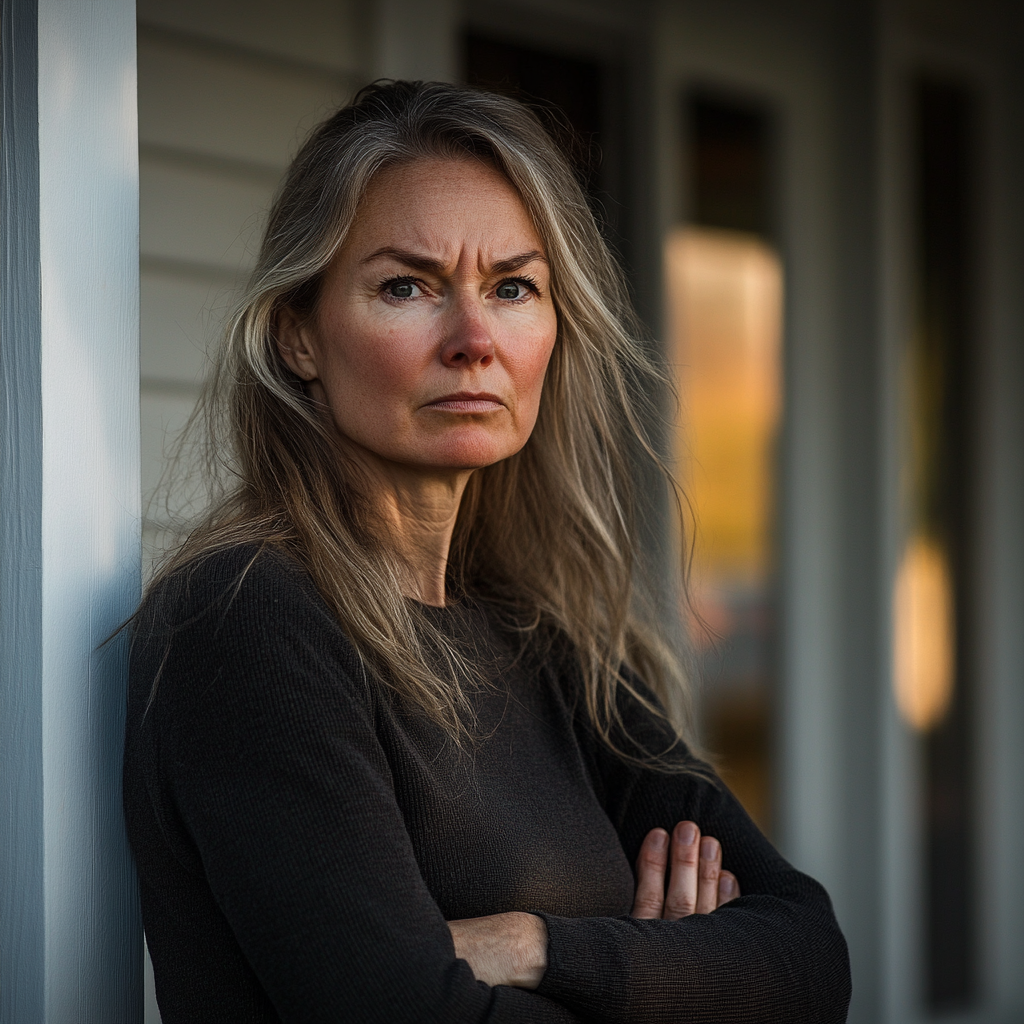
[(227, 91), (163, 415), (182, 315), (228, 103), (191, 215), (324, 33)]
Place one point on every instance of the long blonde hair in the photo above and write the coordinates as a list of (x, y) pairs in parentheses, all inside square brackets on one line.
[(547, 536)]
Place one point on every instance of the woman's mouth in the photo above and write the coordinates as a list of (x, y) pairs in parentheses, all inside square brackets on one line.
[(467, 401)]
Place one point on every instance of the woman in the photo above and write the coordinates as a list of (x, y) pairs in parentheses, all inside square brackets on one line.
[(395, 729)]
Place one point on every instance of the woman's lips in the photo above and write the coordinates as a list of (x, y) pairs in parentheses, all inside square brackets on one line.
[(467, 401)]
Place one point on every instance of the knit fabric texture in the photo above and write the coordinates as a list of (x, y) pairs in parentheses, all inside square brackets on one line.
[(302, 836)]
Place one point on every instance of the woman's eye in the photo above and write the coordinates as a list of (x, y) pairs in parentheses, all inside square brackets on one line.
[(511, 290), (401, 288)]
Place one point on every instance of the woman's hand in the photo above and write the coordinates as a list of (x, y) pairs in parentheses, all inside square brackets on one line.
[(696, 884), (511, 949), (503, 949)]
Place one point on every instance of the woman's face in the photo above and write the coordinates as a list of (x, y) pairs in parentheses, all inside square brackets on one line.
[(435, 323)]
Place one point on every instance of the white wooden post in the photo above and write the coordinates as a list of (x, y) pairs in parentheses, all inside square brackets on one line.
[(70, 935)]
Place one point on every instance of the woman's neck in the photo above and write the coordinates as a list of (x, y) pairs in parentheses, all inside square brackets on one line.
[(420, 509)]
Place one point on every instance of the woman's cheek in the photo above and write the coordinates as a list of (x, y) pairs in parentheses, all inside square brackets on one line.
[(382, 364), (533, 369)]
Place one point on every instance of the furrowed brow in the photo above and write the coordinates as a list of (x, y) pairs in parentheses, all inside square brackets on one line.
[(514, 263), (420, 261), (413, 260)]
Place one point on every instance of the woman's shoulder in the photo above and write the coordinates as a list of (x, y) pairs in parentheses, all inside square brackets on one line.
[(242, 615), (245, 586)]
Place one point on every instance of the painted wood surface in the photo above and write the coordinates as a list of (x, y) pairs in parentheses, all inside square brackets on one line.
[(70, 925)]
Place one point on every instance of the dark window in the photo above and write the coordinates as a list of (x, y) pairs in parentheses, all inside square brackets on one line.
[(941, 403), (567, 91), (730, 164)]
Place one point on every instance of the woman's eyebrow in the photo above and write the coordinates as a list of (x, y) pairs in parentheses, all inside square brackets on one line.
[(430, 264), (514, 263), (415, 260)]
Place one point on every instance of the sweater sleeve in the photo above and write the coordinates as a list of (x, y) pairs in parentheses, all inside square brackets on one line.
[(775, 954), (268, 751)]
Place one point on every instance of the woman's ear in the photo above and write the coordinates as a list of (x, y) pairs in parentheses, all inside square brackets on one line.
[(293, 343)]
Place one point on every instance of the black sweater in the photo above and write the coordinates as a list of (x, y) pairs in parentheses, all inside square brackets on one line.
[(301, 838)]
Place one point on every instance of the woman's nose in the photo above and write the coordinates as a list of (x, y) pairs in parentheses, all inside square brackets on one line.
[(468, 340)]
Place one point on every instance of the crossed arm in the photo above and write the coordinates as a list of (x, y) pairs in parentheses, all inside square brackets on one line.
[(511, 949), (272, 792)]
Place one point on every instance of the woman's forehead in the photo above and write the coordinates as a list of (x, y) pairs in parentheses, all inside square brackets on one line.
[(440, 204)]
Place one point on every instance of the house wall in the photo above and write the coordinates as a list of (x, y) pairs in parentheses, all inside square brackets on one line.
[(227, 90)]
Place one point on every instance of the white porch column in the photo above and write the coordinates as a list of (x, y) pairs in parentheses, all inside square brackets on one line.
[(70, 935)]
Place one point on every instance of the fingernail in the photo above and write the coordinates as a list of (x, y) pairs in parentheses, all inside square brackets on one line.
[(659, 840), (687, 833), (726, 886), (708, 848)]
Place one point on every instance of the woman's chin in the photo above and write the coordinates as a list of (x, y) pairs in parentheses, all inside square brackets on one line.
[(469, 453), (463, 462), (439, 461)]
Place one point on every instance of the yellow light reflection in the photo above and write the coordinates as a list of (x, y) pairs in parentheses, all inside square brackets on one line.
[(725, 315), (923, 646)]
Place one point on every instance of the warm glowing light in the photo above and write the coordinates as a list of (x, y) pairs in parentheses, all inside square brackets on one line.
[(923, 646), (725, 319)]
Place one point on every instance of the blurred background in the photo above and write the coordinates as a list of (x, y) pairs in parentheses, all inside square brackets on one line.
[(819, 206)]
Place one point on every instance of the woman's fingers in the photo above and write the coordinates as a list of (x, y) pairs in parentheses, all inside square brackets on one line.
[(728, 887), (696, 882), (650, 875), (709, 871), (681, 899)]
